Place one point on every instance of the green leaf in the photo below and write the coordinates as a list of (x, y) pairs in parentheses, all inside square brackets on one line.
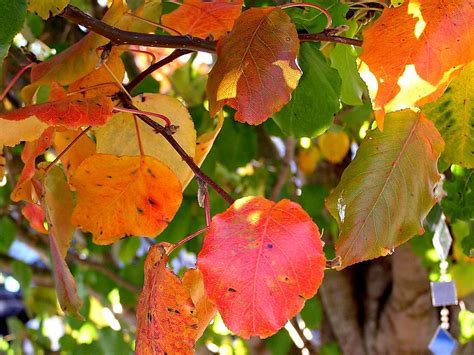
[(453, 115), (12, 17), (312, 313), (313, 20), (316, 98), (387, 190), (35, 24), (459, 187), (463, 274), (128, 249), (22, 273), (343, 58), (280, 343), (7, 234)]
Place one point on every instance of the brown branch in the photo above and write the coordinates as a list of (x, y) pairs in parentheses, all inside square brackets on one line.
[(119, 37)]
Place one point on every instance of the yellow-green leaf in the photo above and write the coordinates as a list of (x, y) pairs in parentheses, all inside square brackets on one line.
[(47, 8), (387, 190)]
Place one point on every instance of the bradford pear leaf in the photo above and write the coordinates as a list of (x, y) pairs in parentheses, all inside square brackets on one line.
[(343, 58), (256, 68), (47, 8), (201, 18), (120, 196), (334, 146), (82, 148), (70, 113), (14, 132), (316, 99), (34, 214), (119, 135), (2, 163), (166, 316), (12, 17), (387, 190), (205, 309), (459, 187), (23, 189), (260, 261), (453, 115), (308, 159), (313, 20), (425, 43)]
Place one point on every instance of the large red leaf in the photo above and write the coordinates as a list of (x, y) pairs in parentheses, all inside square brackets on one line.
[(260, 261), (201, 18), (424, 41), (256, 68), (70, 113), (387, 190), (166, 315)]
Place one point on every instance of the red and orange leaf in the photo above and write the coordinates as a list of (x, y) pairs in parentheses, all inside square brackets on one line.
[(166, 315), (201, 18), (23, 189), (34, 214), (205, 309), (260, 261), (83, 148), (425, 44), (121, 196), (67, 112), (256, 68)]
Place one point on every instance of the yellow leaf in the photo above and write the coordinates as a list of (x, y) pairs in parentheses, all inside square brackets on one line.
[(123, 196), (47, 8), (119, 136), (14, 132), (334, 146), (308, 159)]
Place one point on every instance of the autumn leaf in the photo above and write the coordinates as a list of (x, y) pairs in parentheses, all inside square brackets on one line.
[(260, 261), (57, 203), (387, 190), (200, 18), (34, 214), (83, 148), (23, 189), (3, 163), (66, 112), (119, 135), (166, 316), (47, 8), (256, 68), (123, 196), (334, 146), (14, 132), (76, 61), (453, 115), (424, 45), (205, 309)]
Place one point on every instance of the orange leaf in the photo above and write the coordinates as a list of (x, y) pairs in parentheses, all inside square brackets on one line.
[(83, 148), (23, 189), (166, 315), (67, 112), (200, 18), (415, 50), (205, 309), (260, 261), (120, 196), (256, 68)]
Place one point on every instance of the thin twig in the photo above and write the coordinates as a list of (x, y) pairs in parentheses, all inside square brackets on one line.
[(284, 168), (155, 66), (324, 11), (119, 37), (188, 238)]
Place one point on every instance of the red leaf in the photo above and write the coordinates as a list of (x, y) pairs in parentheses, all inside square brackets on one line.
[(260, 261), (66, 112), (256, 68), (166, 315), (23, 189), (203, 18), (35, 215)]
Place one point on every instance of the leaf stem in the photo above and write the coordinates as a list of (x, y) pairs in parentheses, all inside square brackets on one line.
[(14, 80), (314, 6), (188, 238), (151, 114), (139, 138)]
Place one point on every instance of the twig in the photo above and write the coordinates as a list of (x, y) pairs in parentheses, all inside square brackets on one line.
[(119, 37), (188, 238), (155, 66)]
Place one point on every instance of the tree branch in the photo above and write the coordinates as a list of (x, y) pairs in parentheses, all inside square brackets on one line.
[(119, 37)]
